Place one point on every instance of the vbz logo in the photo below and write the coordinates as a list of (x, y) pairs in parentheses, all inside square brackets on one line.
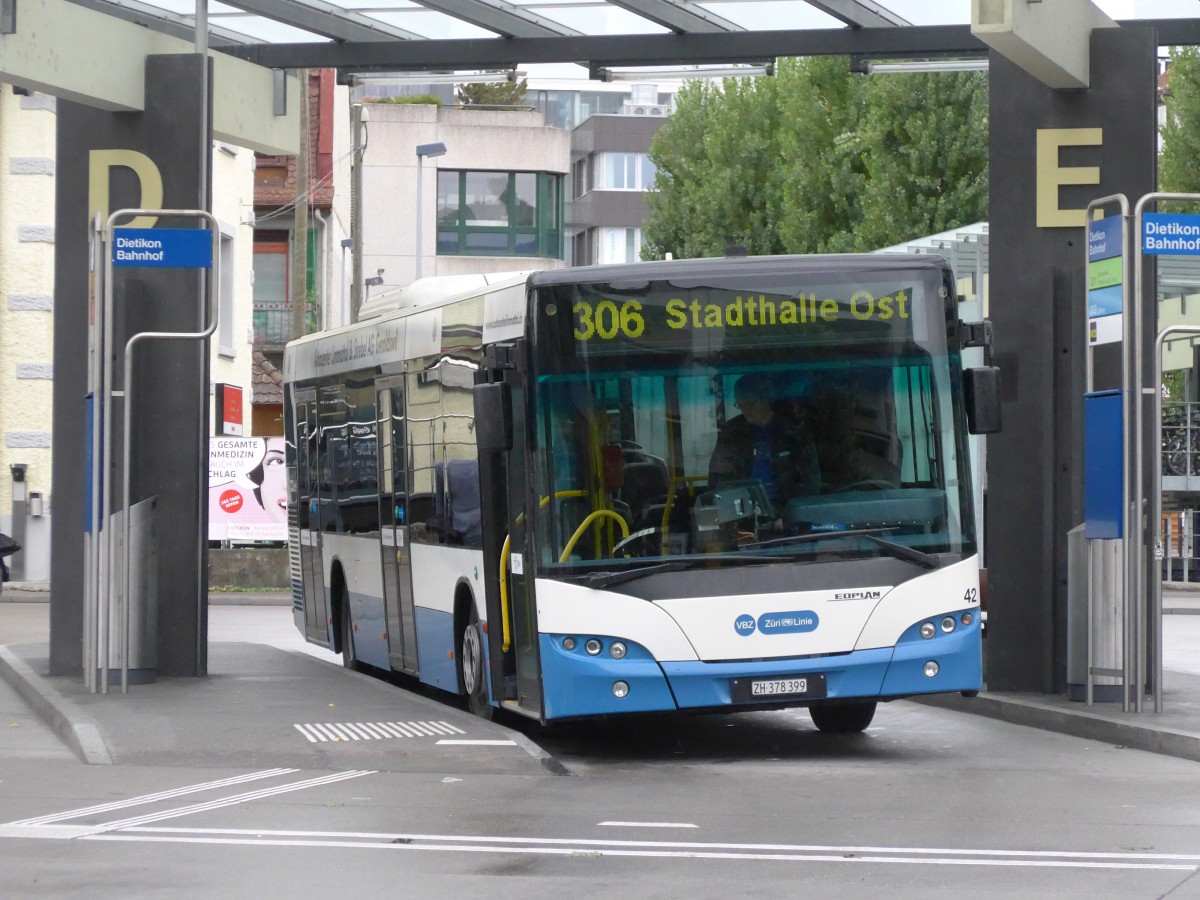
[(744, 624)]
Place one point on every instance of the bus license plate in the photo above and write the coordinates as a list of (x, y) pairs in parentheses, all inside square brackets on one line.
[(788, 688)]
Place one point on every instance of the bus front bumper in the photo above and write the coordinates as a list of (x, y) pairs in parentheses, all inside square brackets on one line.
[(576, 683)]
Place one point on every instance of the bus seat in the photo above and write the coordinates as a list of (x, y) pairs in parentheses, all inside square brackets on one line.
[(462, 476)]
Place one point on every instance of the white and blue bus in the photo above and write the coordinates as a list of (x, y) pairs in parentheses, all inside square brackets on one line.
[(505, 487)]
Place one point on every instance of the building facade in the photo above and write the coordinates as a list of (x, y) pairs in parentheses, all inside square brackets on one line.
[(611, 171), (325, 196), (27, 241), (493, 202)]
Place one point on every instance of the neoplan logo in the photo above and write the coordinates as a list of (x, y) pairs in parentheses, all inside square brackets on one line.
[(858, 595)]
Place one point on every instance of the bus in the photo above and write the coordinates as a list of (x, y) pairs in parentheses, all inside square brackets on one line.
[(504, 486)]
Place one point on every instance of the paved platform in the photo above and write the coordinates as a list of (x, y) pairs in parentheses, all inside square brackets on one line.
[(266, 706), (259, 706)]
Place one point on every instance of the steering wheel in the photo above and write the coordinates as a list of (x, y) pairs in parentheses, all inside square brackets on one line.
[(875, 484), (635, 537)]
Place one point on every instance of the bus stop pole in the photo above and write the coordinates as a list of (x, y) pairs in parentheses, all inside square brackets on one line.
[(1127, 522), (1156, 509), (1134, 537), (127, 432), (1154, 550)]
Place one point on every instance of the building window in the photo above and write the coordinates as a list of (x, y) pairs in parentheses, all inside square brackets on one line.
[(581, 176), (272, 306), (499, 214), (618, 245), (627, 172)]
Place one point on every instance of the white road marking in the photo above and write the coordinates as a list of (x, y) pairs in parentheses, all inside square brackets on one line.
[(233, 800), (649, 824), (325, 729), (658, 849), (151, 798), (53, 832), (315, 732), (311, 733), (480, 743)]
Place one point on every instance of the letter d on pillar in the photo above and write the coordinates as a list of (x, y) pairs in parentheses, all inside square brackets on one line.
[(150, 179)]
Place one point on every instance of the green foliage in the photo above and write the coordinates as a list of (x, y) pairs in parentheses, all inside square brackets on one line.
[(818, 159), (1177, 166), (411, 98), (503, 93)]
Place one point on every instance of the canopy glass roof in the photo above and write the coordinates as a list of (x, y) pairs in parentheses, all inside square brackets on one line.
[(290, 23)]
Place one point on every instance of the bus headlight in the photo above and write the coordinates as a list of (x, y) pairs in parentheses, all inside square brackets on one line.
[(592, 647), (928, 630), (620, 689), (948, 624), (569, 643), (931, 668), (617, 650)]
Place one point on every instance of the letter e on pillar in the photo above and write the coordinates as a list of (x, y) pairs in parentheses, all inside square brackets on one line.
[(1051, 176)]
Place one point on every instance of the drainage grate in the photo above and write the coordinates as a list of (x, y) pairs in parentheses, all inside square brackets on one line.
[(373, 731)]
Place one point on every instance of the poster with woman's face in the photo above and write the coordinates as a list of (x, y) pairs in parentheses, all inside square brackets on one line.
[(247, 489)]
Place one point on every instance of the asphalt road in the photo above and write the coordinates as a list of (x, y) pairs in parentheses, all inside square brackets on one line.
[(927, 803)]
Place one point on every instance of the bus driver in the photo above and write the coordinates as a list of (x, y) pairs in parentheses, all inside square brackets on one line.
[(761, 445)]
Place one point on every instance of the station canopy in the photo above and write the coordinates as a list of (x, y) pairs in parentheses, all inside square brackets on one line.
[(605, 36)]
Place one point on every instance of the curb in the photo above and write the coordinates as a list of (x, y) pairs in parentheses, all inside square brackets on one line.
[(76, 730), (1035, 714)]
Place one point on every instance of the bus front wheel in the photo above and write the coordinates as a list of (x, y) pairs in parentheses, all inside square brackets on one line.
[(842, 718), (470, 667)]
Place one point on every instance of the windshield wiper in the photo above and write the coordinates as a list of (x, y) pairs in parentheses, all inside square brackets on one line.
[(606, 579), (898, 551)]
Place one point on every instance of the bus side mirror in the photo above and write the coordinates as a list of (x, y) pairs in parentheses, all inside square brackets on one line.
[(493, 417), (981, 389)]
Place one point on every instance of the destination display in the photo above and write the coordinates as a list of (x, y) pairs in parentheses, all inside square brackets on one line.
[(605, 322)]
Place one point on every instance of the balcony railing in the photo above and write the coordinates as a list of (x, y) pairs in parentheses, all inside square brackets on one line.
[(273, 326)]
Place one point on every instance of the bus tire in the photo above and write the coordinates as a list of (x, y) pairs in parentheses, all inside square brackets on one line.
[(470, 666), (349, 657), (842, 718)]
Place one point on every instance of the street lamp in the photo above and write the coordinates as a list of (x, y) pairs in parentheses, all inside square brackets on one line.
[(437, 148), (374, 281)]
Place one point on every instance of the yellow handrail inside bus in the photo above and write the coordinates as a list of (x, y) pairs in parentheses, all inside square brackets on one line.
[(594, 516), (505, 625)]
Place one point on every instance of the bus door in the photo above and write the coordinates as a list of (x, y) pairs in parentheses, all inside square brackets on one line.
[(393, 524), (512, 611), (308, 516), (524, 630)]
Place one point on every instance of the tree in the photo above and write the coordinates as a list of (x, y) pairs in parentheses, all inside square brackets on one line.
[(499, 93), (1177, 166), (818, 159)]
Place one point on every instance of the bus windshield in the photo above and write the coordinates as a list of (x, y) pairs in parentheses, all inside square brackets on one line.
[(795, 414)]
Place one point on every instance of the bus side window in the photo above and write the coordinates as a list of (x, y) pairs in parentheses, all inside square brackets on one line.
[(331, 443), (358, 487), (426, 446)]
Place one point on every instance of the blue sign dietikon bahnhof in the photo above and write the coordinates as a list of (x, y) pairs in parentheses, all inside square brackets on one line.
[(164, 248), (1171, 234)]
